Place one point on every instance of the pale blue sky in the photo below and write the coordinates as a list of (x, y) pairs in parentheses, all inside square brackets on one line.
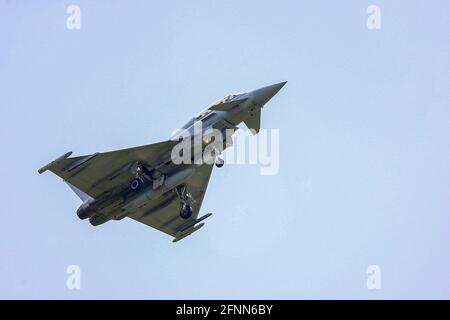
[(364, 135)]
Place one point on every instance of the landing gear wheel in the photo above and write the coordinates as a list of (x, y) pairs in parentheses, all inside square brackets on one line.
[(136, 184), (220, 162), (186, 211)]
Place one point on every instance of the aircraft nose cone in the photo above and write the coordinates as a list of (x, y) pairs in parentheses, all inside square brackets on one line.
[(261, 96)]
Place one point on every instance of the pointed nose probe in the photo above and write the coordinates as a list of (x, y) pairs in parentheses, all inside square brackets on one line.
[(263, 95)]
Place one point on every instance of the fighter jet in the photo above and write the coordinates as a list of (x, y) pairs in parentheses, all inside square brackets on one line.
[(145, 184)]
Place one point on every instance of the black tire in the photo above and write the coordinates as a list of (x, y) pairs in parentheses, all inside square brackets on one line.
[(186, 212), (220, 163), (136, 184)]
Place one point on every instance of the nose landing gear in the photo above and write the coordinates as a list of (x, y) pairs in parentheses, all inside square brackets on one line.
[(219, 162)]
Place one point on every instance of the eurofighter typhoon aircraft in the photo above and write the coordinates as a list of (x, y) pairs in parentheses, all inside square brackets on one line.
[(145, 184)]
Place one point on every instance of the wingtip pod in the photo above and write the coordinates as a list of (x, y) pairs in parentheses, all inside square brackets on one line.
[(47, 166)]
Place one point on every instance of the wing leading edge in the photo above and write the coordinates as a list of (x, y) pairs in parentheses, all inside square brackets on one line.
[(101, 173)]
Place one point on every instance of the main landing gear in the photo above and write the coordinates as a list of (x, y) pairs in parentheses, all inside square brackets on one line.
[(186, 202), (141, 174), (136, 184)]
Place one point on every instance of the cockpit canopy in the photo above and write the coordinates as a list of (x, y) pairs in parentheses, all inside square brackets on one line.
[(226, 99)]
